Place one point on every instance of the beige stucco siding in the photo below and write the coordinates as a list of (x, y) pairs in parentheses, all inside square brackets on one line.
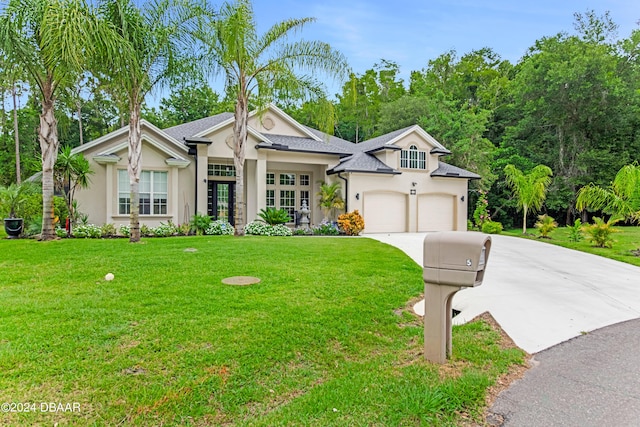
[(100, 200), (376, 186)]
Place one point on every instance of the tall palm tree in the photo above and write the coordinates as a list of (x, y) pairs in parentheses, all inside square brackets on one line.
[(257, 67), (529, 189), (156, 33), (621, 199), (51, 39)]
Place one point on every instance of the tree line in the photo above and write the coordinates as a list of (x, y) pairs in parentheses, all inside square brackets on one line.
[(571, 103)]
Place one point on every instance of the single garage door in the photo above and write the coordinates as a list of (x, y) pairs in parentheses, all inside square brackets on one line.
[(436, 212), (385, 212)]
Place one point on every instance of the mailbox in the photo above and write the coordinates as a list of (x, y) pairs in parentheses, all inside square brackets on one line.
[(456, 258), (453, 260)]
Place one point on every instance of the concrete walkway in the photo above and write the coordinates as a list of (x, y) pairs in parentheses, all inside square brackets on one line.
[(539, 293)]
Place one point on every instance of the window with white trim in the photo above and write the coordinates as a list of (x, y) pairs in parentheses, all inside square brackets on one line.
[(153, 191), (412, 158), (287, 190), (215, 169)]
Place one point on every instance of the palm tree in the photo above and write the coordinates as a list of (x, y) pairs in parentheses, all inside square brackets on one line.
[(329, 199), (530, 190), (621, 199), (51, 39), (71, 172), (154, 34), (257, 67)]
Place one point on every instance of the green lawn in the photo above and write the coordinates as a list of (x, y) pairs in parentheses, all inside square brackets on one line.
[(324, 339), (627, 239)]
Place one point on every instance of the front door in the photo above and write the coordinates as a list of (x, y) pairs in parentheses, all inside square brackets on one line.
[(221, 200)]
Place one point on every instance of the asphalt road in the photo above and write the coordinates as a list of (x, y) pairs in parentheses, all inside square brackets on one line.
[(591, 380)]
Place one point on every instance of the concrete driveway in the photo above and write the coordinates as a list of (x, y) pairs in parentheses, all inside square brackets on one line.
[(541, 294)]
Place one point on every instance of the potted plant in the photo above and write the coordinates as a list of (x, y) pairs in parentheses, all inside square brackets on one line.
[(11, 200)]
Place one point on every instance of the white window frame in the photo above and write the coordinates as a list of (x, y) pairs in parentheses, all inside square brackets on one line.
[(158, 199), (412, 158)]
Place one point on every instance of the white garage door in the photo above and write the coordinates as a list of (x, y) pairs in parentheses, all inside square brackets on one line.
[(436, 212), (385, 212)]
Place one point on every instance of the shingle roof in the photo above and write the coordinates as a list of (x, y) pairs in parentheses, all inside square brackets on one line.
[(379, 142), (195, 127), (295, 143), (449, 171), (355, 157), (362, 162)]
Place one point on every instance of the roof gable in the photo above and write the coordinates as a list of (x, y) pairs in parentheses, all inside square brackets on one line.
[(111, 143)]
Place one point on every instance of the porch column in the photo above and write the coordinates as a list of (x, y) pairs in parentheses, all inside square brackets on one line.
[(109, 193), (174, 195), (261, 181), (201, 180)]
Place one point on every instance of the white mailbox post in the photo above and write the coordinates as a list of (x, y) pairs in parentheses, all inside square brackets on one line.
[(452, 260)]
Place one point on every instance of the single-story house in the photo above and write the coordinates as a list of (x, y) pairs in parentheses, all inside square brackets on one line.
[(396, 181)]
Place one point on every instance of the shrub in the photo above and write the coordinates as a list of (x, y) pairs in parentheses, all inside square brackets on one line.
[(259, 228), (351, 223), (325, 228), (599, 233), (183, 229), (273, 216), (492, 227), (61, 232), (200, 223), (301, 232), (545, 225), (481, 212), (87, 231), (145, 230), (108, 230), (220, 227), (575, 231), (280, 230), (164, 230), (125, 230)]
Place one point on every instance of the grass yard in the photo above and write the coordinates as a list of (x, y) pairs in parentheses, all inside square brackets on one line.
[(325, 339), (627, 239)]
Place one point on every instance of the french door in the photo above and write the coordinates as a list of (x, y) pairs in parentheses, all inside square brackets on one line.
[(221, 200)]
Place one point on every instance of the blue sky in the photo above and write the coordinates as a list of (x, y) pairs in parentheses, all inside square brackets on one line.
[(411, 32)]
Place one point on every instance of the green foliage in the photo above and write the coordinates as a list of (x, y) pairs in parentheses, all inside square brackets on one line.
[(481, 212), (545, 225), (108, 230), (325, 228), (125, 230), (273, 216), (492, 227), (575, 231), (329, 199), (87, 231), (70, 173), (165, 230), (200, 223), (13, 199), (145, 230), (621, 199), (530, 190), (259, 228), (220, 227), (599, 233)]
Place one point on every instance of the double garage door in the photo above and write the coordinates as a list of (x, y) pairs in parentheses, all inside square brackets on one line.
[(389, 212)]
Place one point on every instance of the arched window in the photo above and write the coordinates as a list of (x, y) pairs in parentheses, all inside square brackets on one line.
[(413, 158)]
